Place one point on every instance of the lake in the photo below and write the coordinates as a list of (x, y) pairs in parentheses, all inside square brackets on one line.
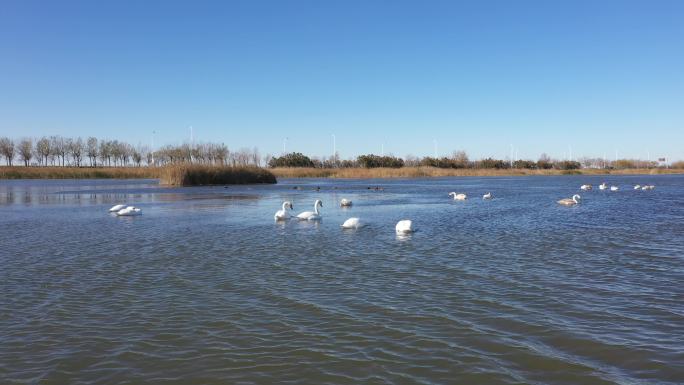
[(205, 288)]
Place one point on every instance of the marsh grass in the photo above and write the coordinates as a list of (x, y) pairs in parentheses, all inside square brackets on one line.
[(78, 172), (202, 175), (188, 175), (423, 172)]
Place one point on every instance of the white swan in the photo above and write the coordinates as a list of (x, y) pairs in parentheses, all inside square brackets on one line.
[(570, 201), (614, 188), (637, 187), (117, 208), (603, 186), (487, 196), (352, 223), (586, 187), (345, 202), (284, 214), (129, 212), (458, 197), (648, 187), (404, 227), (311, 215)]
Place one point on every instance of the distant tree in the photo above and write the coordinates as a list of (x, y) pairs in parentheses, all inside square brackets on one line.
[(25, 148), (492, 163), (44, 149), (7, 149), (567, 165), (528, 164), (294, 159), (91, 151), (460, 159), (544, 162), (76, 148), (372, 161)]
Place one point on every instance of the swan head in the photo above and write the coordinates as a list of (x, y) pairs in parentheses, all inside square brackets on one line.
[(576, 197), (318, 203), (452, 194), (290, 205)]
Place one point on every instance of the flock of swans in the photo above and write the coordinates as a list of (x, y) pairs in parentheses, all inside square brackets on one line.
[(603, 186), (402, 227)]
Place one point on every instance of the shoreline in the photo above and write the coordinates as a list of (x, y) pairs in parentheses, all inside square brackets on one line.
[(432, 172), (19, 172)]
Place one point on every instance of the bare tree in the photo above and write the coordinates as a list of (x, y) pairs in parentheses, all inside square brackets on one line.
[(7, 149), (44, 149), (25, 148), (91, 150)]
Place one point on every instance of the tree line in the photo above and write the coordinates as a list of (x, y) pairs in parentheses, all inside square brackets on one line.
[(94, 152)]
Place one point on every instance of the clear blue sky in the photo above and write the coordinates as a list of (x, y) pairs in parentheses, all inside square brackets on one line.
[(477, 75)]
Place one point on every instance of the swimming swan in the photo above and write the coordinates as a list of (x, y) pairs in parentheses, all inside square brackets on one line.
[(637, 187), (345, 202), (603, 186), (586, 187), (311, 215), (614, 188), (570, 201), (458, 197), (352, 223), (284, 214), (487, 196), (117, 208), (129, 212), (404, 227)]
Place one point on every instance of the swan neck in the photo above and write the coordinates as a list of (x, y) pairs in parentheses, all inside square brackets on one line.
[(316, 207)]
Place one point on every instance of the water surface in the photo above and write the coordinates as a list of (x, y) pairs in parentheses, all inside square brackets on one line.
[(204, 287)]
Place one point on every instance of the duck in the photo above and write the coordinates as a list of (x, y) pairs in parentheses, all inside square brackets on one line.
[(614, 188), (603, 186), (586, 187), (352, 223), (458, 197), (570, 201), (345, 202), (404, 226), (637, 187), (284, 214), (311, 215), (487, 196)]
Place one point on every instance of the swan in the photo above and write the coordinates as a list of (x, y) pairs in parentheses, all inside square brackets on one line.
[(284, 214), (614, 188), (648, 187), (352, 223), (586, 187), (404, 226), (345, 202), (487, 196), (117, 208), (603, 186), (637, 187), (458, 197), (311, 215), (570, 201), (129, 212)]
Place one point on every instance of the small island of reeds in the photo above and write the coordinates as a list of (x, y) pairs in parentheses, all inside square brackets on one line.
[(207, 175)]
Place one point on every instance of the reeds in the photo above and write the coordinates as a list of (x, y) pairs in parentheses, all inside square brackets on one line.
[(201, 175), (424, 172), (78, 172)]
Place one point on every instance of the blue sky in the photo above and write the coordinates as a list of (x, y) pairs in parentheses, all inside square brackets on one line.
[(480, 76)]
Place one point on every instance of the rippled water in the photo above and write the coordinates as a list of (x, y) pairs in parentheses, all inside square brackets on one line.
[(205, 288)]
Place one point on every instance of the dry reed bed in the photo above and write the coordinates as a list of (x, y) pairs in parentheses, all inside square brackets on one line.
[(422, 172), (78, 172), (197, 175)]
